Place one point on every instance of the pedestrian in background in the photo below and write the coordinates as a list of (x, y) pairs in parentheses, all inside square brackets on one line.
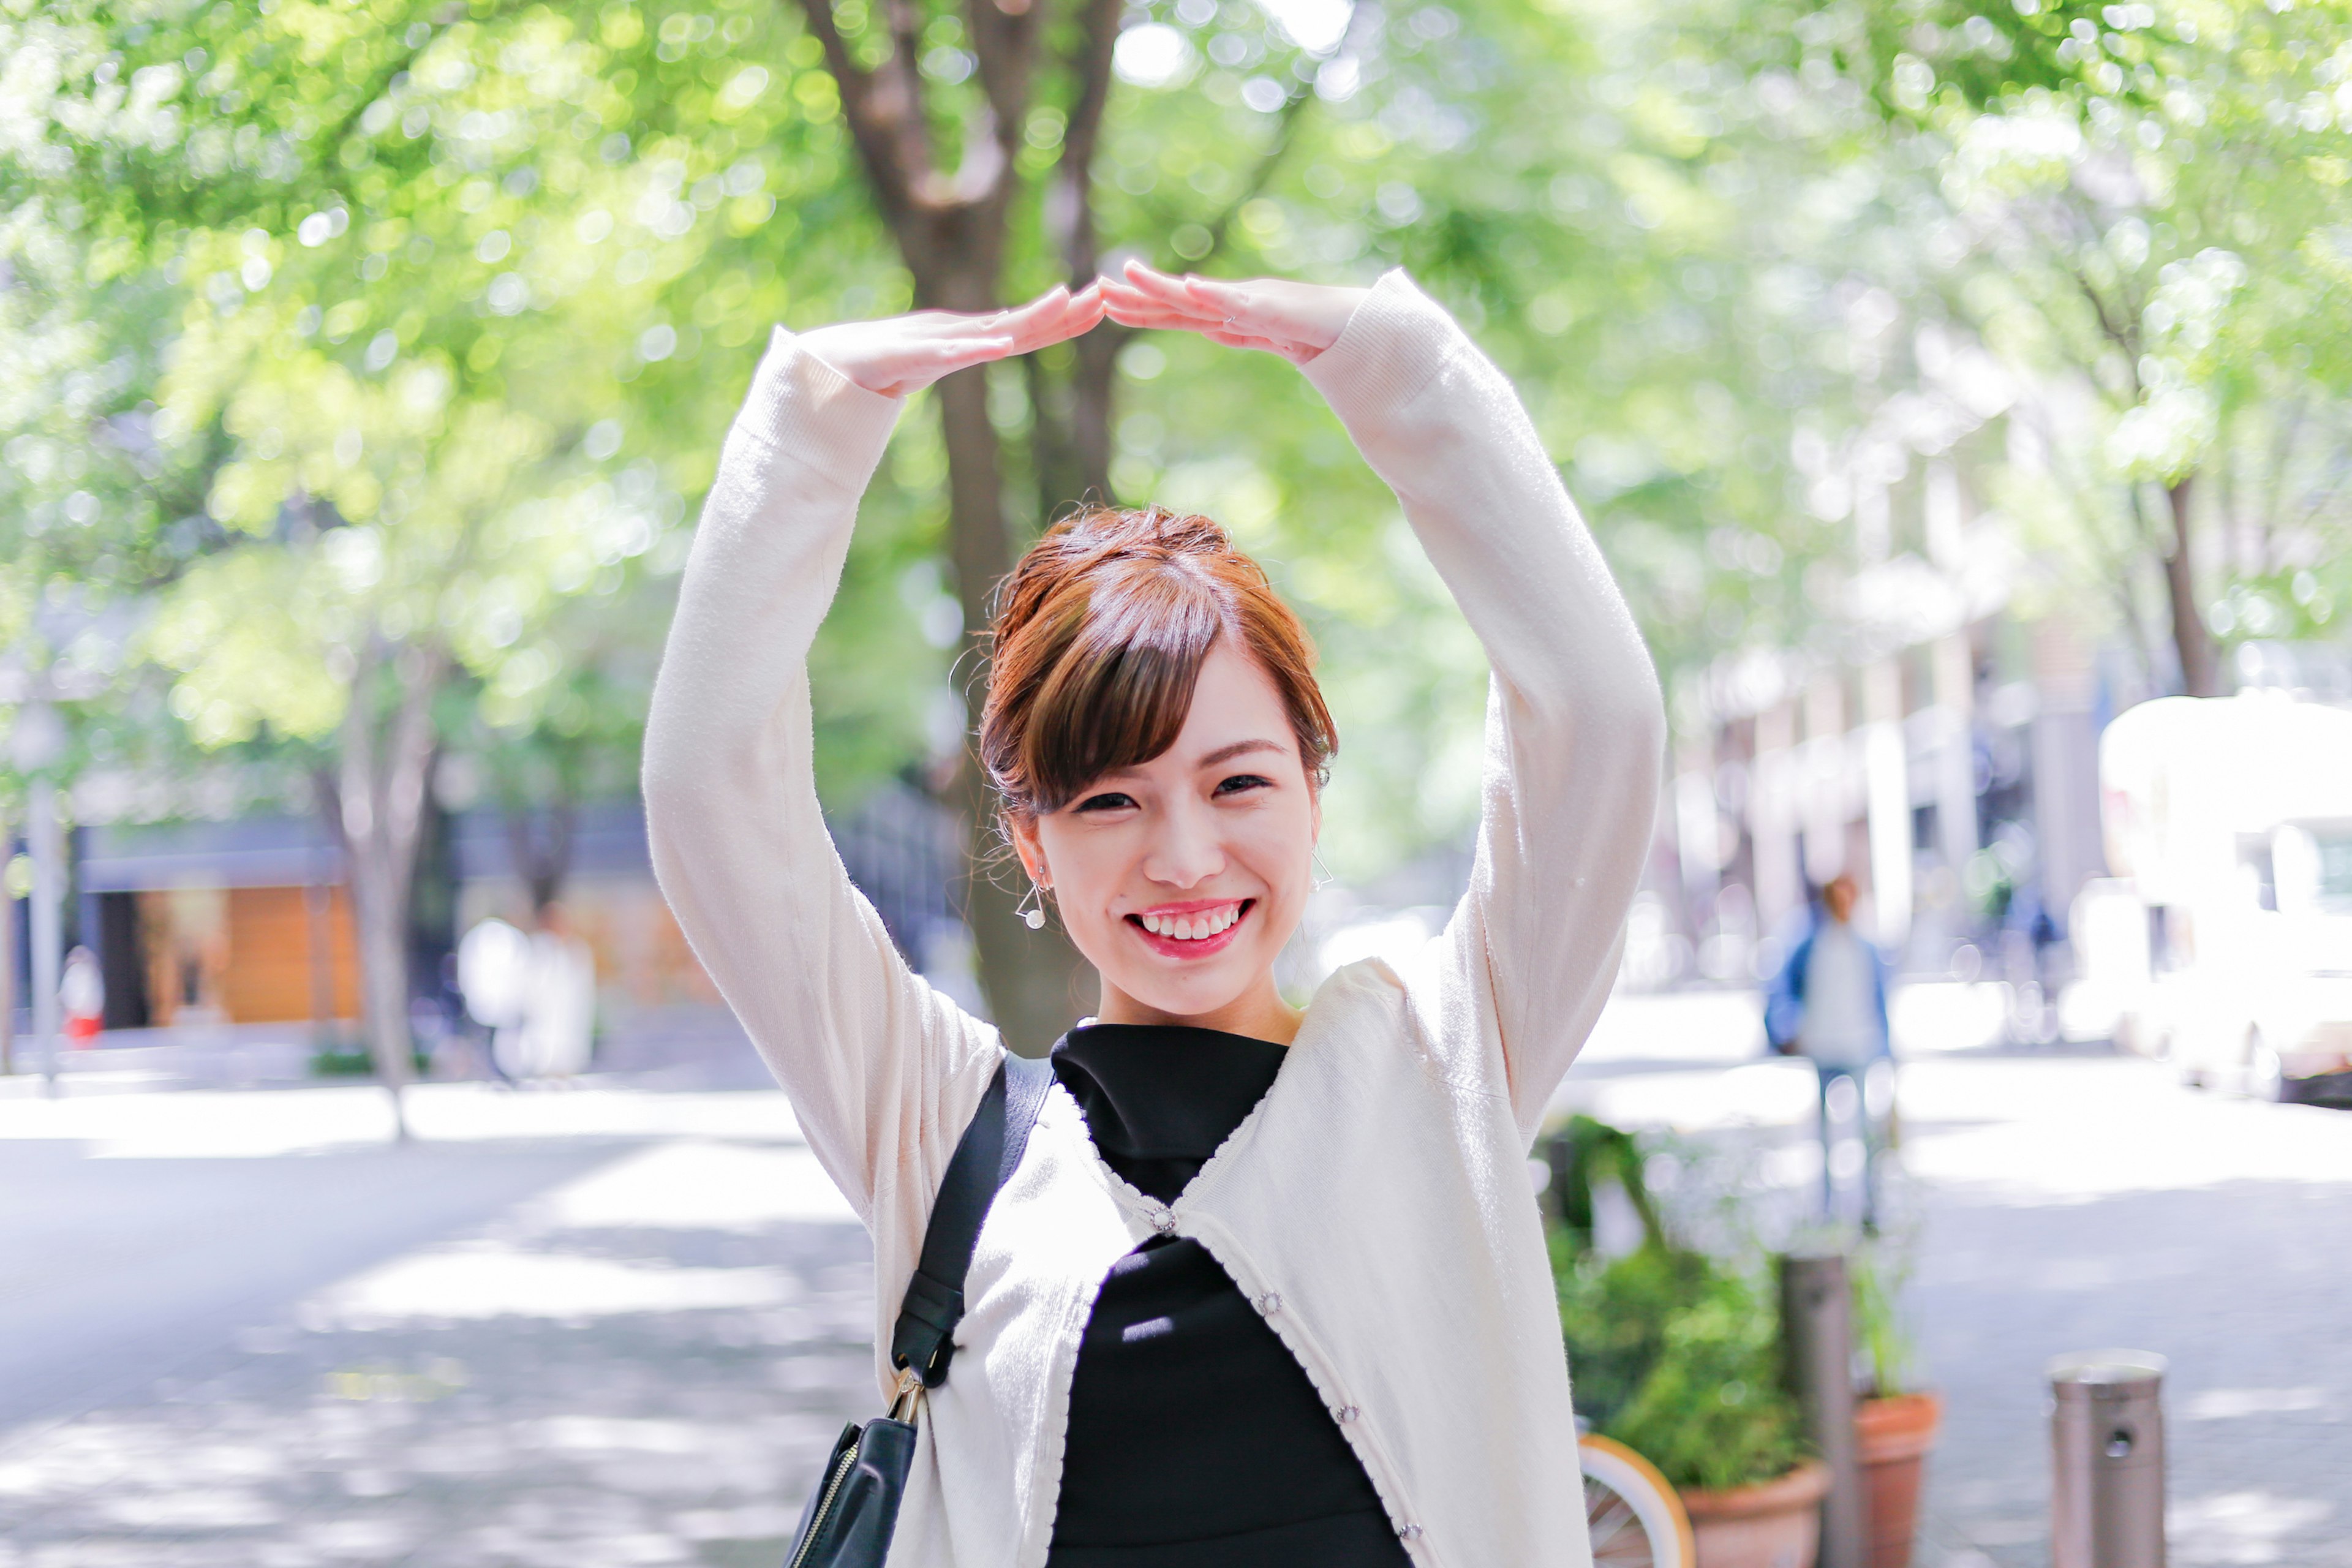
[(535, 992), (559, 1016), (81, 997), (1828, 1003)]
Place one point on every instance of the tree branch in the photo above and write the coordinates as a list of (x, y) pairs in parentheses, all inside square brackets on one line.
[(872, 120), (1070, 208), (1004, 45)]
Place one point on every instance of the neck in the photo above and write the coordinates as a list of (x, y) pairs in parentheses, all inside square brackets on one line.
[(1259, 1012)]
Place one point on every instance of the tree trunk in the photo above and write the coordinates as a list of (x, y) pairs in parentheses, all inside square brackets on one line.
[(7, 959), (2200, 665), (386, 760), (950, 228), (1031, 978)]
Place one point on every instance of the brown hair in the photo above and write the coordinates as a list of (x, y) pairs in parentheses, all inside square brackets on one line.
[(1099, 638)]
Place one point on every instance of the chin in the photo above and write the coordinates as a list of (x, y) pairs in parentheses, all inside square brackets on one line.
[(1210, 988)]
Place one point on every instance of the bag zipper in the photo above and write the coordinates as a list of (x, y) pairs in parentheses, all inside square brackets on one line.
[(825, 1507)]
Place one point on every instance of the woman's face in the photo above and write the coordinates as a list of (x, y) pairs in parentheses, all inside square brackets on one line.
[(1180, 878)]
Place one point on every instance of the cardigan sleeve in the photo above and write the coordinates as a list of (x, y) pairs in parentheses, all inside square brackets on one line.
[(1575, 727), (882, 1070)]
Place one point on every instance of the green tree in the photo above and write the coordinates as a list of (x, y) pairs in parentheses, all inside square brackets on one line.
[(397, 365), (2153, 199)]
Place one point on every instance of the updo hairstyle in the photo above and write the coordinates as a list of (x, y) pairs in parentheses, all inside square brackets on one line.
[(1100, 637)]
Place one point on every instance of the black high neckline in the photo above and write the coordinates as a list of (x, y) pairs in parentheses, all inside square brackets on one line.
[(1160, 1098)]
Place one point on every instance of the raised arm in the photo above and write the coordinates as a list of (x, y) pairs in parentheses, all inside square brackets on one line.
[(1575, 728), (882, 1070)]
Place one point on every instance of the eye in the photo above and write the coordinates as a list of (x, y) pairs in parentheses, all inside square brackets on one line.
[(1240, 782), (1110, 800)]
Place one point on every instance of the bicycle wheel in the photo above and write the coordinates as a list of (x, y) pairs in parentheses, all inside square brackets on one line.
[(1632, 1515)]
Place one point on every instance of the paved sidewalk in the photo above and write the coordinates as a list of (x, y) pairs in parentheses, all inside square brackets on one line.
[(2087, 1204), (642, 1364), (609, 1325)]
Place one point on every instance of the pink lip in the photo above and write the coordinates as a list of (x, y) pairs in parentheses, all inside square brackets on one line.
[(1204, 947)]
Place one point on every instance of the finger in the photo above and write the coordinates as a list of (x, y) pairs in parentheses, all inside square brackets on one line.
[(1139, 309), (1087, 308), (1054, 312), (1211, 302), (1044, 307), (1148, 314), (1067, 323), (1008, 321), (1297, 352), (946, 359), (1158, 284), (1215, 291)]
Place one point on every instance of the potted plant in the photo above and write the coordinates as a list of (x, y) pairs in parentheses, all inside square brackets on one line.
[(1678, 1356), (1895, 1423), (1714, 1418)]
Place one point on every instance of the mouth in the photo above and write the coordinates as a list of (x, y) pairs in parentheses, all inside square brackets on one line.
[(1192, 930)]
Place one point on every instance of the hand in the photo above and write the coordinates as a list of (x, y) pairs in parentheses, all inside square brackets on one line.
[(902, 355), (1297, 320)]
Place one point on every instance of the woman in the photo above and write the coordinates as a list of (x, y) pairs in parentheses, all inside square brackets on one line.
[(1268, 1287)]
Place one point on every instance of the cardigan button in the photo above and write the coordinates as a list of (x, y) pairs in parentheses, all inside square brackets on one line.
[(1270, 1303), (1347, 1413), (1407, 1533), (1163, 1221)]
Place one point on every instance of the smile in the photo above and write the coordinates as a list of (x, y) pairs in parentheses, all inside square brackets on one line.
[(1192, 931)]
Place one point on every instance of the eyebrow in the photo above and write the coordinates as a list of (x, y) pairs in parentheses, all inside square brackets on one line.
[(1222, 754), (1239, 748)]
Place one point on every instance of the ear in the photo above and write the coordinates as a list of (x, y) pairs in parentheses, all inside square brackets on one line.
[(1022, 829)]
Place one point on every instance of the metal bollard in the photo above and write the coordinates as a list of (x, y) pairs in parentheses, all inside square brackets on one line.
[(2106, 1451), (1817, 1325)]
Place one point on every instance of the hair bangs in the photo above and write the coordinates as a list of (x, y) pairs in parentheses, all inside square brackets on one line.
[(1100, 637), (1118, 694)]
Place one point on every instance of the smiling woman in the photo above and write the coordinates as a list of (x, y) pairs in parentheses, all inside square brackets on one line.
[(1267, 1288), (1155, 732)]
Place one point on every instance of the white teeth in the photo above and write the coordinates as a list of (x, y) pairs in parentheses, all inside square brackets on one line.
[(1192, 928)]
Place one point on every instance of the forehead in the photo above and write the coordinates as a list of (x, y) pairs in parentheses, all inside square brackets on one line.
[(1233, 699)]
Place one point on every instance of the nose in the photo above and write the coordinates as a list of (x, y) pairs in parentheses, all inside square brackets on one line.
[(1185, 850)]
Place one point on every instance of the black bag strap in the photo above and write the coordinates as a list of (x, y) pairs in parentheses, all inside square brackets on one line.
[(924, 1337)]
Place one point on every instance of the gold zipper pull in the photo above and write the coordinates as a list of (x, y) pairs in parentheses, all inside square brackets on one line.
[(908, 1396)]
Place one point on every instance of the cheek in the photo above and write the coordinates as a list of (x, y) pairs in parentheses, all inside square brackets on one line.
[(1277, 843), (1082, 863)]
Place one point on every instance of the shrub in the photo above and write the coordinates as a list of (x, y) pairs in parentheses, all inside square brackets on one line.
[(1670, 1352), (1613, 1315), (1712, 1412)]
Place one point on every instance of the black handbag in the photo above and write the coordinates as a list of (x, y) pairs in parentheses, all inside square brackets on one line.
[(854, 1509)]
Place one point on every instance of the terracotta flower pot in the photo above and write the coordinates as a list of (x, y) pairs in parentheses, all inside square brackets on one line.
[(1894, 1435), (1772, 1524)]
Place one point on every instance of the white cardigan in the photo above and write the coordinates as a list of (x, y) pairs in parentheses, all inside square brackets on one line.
[(1376, 1204)]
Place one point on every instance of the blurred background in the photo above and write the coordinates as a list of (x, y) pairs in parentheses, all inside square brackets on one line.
[(1962, 396)]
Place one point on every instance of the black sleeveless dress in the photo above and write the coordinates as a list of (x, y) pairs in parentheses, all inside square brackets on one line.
[(1195, 1439)]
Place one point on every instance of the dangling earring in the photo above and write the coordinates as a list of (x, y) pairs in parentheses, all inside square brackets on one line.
[(1323, 877), (1033, 915)]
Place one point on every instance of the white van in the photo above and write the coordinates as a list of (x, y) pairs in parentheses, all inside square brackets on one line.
[(2230, 821)]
